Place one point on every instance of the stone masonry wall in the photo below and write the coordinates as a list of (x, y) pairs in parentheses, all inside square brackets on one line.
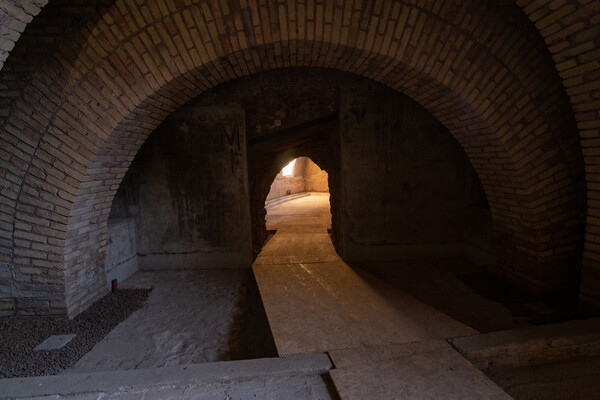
[(409, 190), (188, 194), (121, 250), (407, 185), (315, 179), (281, 127), (286, 185)]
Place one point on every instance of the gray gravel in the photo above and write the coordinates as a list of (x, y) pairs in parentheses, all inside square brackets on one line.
[(20, 335)]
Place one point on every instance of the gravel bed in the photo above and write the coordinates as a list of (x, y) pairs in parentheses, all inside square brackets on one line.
[(21, 335)]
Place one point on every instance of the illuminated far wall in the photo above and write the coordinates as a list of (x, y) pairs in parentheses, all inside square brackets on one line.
[(305, 176)]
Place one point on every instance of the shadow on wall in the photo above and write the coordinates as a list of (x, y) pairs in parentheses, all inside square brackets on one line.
[(187, 192), (299, 176)]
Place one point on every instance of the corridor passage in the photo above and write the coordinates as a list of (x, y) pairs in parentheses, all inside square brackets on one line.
[(317, 303)]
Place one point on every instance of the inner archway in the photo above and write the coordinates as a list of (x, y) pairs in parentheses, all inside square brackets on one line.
[(513, 130), (299, 195), (87, 84)]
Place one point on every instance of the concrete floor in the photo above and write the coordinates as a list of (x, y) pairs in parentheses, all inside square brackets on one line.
[(189, 318), (381, 343), (316, 303)]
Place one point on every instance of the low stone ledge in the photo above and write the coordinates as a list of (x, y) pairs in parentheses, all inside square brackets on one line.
[(74, 384), (531, 345)]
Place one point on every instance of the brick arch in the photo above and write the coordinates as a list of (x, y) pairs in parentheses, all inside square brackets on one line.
[(125, 81), (14, 17), (571, 32)]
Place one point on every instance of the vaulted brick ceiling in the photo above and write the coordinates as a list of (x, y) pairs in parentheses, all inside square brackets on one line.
[(72, 125)]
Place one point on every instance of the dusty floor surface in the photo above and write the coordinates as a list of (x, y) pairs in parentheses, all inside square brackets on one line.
[(191, 317), (300, 213), (316, 303), (19, 336), (437, 283)]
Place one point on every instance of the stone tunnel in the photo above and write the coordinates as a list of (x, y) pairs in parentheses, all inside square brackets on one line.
[(147, 137)]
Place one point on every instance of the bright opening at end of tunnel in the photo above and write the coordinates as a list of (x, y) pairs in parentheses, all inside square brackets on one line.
[(299, 195), (288, 170), (301, 175)]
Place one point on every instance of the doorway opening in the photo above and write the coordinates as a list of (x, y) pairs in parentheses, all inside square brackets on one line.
[(299, 195)]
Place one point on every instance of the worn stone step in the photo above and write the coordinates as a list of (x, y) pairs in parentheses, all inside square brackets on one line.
[(537, 344), (422, 370), (280, 377)]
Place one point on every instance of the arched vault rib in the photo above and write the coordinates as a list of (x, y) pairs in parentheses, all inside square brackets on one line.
[(140, 63)]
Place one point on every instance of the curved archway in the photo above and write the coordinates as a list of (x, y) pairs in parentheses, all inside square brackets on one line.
[(14, 17), (131, 72), (300, 178)]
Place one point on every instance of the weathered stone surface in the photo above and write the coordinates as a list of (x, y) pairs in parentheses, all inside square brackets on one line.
[(190, 317), (532, 345), (281, 378), (408, 189), (424, 373), (187, 191), (121, 250), (326, 306), (315, 302)]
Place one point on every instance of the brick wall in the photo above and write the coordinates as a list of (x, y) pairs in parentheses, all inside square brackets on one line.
[(14, 17), (571, 30), (33, 74), (481, 69), (316, 180)]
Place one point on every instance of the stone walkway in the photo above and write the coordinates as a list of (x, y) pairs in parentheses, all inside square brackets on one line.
[(301, 377), (316, 303), (380, 342)]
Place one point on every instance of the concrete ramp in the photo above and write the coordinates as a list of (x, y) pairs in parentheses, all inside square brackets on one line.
[(318, 307), (315, 302), (384, 343)]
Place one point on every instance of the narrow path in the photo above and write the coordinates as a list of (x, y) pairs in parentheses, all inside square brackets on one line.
[(317, 303)]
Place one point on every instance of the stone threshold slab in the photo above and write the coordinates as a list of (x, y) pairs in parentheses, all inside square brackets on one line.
[(421, 370), (198, 374), (54, 342), (536, 344), (344, 358)]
